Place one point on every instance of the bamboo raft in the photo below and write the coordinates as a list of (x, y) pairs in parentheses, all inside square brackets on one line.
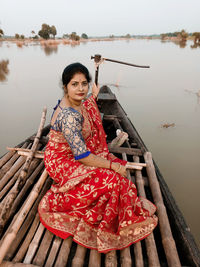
[(24, 181)]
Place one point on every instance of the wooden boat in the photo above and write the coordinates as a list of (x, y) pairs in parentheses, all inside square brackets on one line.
[(171, 243)]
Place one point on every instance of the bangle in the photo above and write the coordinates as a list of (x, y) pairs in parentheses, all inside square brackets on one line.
[(110, 164)]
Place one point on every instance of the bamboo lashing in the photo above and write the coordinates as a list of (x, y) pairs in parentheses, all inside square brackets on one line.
[(166, 234), (153, 260), (22, 215), (6, 207)]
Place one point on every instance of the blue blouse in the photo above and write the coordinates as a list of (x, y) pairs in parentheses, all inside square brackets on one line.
[(69, 121)]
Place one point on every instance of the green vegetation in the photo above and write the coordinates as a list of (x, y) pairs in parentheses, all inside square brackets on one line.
[(47, 31), (74, 37), (84, 36), (196, 36), (17, 36), (1, 33)]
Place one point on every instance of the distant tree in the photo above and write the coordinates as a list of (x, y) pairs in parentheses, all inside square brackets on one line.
[(35, 37), (44, 32), (182, 35), (32, 32), (111, 36), (16, 35), (53, 31), (196, 36), (84, 36), (1, 33), (22, 36), (73, 36), (163, 36), (127, 35)]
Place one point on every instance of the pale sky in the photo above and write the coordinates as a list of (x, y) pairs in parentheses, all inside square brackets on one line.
[(100, 18)]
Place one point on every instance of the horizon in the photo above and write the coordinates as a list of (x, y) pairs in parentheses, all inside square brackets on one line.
[(103, 18)]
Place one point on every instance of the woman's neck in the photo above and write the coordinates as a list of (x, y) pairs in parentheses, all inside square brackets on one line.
[(73, 103)]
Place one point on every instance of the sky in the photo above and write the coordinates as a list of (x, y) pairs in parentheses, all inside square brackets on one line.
[(100, 18)]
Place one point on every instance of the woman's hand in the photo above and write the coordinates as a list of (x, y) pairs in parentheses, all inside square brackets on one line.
[(95, 90), (117, 167)]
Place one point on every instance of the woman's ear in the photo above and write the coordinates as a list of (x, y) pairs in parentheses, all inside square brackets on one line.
[(65, 89)]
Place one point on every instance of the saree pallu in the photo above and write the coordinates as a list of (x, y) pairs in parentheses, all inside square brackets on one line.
[(97, 206)]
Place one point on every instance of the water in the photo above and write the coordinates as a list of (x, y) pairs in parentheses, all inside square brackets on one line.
[(165, 93)]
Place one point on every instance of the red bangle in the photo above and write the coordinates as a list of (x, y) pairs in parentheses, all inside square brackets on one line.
[(110, 163)]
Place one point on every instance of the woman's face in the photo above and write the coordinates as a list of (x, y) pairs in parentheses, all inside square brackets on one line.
[(77, 88)]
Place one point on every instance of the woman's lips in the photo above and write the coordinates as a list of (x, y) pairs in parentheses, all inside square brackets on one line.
[(81, 94)]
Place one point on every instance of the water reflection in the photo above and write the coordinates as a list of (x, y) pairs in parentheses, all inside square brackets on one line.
[(195, 45), (3, 70), (50, 49)]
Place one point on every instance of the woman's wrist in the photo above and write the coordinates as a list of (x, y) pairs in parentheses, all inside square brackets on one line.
[(116, 166)]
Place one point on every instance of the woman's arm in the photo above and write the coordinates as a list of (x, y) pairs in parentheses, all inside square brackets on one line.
[(96, 161)]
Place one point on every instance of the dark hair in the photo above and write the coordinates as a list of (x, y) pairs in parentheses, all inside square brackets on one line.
[(72, 69)]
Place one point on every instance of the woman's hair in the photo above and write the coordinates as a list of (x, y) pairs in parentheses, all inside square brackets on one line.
[(73, 69)]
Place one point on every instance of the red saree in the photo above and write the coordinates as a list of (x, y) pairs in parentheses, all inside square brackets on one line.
[(97, 206)]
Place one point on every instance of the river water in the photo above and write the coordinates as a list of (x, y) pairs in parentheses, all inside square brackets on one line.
[(167, 92)]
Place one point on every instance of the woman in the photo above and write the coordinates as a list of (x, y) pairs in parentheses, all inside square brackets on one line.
[(91, 198)]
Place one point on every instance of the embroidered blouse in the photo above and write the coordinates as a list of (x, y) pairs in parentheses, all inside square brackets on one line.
[(69, 122)]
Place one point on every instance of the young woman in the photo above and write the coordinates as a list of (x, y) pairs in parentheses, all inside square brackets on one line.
[(91, 199)]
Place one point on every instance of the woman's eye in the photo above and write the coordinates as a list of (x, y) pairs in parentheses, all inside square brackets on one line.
[(84, 84), (74, 84)]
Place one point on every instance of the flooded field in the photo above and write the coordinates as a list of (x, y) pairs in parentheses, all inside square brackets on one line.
[(163, 102)]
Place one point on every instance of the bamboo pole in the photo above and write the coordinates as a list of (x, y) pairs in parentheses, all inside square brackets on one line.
[(138, 255), (34, 244), (14, 178), (6, 157), (5, 212), (9, 184), (26, 187), (6, 167), (153, 260), (24, 247), (95, 258), (119, 140), (79, 257), (111, 259), (11, 264), (26, 152), (125, 257), (22, 215), (166, 234), (9, 169), (21, 235), (64, 252), (53, 253), (16, 166), (41, 254)]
